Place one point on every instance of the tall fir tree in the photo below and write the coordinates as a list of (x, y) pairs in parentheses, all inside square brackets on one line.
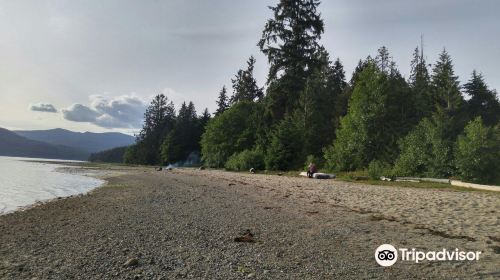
[(483, 102), (158, 121), (184, 137), (446, 94), (222, 101), (245, 86), (204, 118), (420, 84), (446, 86), (290, 40)]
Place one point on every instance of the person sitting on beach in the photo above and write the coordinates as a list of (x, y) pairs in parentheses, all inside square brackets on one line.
[(311, 169)]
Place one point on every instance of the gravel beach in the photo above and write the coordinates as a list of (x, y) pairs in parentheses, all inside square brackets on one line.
[(186, 223)]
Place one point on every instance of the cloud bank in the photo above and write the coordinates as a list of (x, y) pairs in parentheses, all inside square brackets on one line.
[(125, 111), (43, 107)]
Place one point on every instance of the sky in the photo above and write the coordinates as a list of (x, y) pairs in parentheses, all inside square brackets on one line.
[(94, 65)]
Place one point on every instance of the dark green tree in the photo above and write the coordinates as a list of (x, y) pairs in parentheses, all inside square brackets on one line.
[(379, 114), (285, 150), (230, 132), (204, 118), (420, 84), (337, 85), (222, 101), (245, 86), (290, 40), (446, 87), (158, 121), (483, 102), (446, 94), (184, 138)]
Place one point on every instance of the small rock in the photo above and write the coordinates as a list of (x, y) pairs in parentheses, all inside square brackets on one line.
[(246, 237), (131, 262)]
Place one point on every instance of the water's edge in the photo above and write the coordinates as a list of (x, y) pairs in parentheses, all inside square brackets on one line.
[(97, 174)]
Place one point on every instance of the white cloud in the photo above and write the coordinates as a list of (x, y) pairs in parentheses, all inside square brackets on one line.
[(43, 107), (125, 111)]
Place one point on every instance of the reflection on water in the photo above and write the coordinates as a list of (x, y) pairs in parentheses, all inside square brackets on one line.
[(23, 183)]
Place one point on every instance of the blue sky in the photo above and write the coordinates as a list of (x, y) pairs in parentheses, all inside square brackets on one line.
[(110, 57)]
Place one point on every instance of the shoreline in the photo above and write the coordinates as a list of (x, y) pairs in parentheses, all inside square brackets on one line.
[(183, 223), (76, 169)]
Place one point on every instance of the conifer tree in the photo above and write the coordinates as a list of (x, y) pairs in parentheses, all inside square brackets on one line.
[(158, 121), (222, 101), (290, 40), (483, 102), (446, 94), (420, 85), (446, 87), (245, 86), (184, 137)]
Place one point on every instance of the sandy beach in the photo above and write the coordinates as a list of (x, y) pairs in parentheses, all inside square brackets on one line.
[(183, 223)]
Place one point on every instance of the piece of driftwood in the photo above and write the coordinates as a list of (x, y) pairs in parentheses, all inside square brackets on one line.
[(407, 180), (323, 176), (319, 175), (475, 186), (445, 181)]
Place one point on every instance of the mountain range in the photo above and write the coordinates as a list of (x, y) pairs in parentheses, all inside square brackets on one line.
[(59, 143)]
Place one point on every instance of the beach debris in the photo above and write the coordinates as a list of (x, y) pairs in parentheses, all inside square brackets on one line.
[(383, 178), (323, 176), (131, 262), (407, 180), (231, 184), (319, 175), (201, 168), (169, 168), (252, 170), (159, 169), (245, 237)]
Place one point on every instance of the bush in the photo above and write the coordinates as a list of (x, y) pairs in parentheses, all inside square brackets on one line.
[(477, 153), (246, 160), (376, 169)]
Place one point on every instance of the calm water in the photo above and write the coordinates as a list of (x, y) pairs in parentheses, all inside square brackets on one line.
[(23, 183)]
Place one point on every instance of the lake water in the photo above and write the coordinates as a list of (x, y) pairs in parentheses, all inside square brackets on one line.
[(23, 183)]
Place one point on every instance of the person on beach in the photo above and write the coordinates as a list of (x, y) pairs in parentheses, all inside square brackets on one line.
[(311, 169)]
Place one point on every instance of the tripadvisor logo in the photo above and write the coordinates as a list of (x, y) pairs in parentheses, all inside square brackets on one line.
[(387, 255)]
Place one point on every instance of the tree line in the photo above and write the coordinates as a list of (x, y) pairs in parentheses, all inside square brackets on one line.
[(309, 111)]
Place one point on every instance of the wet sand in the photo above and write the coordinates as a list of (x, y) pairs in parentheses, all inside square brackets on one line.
[(183, 223)]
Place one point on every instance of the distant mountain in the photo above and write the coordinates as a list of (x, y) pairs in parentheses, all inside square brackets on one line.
[(12, 144), (87, 141)]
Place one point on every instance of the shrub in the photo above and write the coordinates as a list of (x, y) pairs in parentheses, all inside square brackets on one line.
[(376, 169), (477, 153), (246, 160)]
